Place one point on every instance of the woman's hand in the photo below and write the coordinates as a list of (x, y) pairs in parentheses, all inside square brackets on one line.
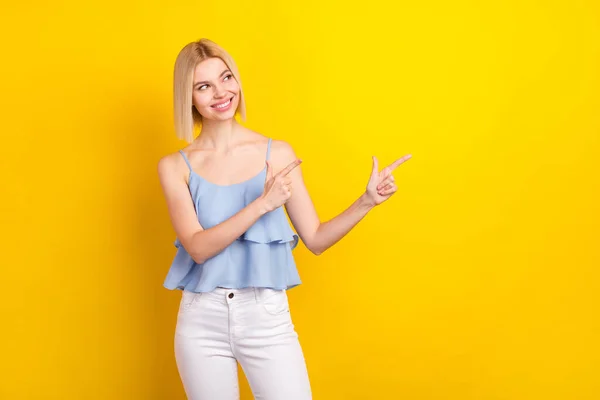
[(278, 187), (381, 185)]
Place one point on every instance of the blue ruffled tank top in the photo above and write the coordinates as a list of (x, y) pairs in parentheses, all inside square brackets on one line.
[(261, 257)]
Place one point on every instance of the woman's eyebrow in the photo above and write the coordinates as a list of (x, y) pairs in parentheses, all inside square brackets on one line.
[(222, 73)]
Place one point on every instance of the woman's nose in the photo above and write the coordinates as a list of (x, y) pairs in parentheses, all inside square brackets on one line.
[(219, 91)]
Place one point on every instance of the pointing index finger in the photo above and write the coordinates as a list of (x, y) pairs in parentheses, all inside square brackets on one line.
[(399, 161), (290, 167)]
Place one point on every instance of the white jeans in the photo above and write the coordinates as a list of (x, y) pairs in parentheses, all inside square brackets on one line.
[(252, 326)]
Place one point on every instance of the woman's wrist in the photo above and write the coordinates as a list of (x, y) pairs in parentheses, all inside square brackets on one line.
[(261, 206), (366, 202)]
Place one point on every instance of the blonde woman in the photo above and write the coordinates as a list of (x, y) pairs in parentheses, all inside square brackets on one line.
[(225, 194)]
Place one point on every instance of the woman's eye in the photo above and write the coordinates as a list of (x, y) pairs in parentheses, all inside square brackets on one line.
[(202, 87), (229, 77)]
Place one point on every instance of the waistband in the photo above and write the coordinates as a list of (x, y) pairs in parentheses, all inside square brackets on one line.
[(233, 295)]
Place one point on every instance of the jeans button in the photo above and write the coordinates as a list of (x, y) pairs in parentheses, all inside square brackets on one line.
[(230, 295)]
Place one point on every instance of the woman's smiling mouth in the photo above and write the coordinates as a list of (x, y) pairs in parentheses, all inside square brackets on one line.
[(223, 106)]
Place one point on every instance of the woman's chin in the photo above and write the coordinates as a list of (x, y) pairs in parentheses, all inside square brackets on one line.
[(220, 116)]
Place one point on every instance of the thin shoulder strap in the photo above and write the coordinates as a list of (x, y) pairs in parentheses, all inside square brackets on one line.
[(186, 160), (268, 148)]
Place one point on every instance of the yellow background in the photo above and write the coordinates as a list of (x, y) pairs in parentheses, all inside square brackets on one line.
[(477, 280)]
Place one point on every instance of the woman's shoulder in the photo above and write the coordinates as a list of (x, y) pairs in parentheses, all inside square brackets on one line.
[(282, 150), (279, 147), (170, 160), (171, 165)]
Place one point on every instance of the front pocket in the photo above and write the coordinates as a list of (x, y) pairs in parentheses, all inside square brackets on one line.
[(188, 299), (277, 303)]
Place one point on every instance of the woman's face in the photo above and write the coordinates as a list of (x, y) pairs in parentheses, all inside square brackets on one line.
[(215, 90)]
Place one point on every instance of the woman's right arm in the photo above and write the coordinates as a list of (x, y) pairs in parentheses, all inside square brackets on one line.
[(202, 244)]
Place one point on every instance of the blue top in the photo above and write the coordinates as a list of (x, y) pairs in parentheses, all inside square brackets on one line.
[(261, 257)]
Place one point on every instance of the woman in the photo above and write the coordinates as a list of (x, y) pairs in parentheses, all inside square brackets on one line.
[(234, 263)]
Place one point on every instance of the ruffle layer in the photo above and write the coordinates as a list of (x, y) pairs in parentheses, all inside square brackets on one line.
[(271, 228), (261, 257)]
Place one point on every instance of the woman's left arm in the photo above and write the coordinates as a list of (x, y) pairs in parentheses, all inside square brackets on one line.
[(318, 236)]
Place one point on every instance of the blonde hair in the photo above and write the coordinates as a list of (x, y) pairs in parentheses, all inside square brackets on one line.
[(186, 117)]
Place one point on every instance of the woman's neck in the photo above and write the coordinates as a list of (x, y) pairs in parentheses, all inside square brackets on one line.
[(218, 135)]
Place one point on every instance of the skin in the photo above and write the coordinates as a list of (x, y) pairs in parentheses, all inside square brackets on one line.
[(227, 153)]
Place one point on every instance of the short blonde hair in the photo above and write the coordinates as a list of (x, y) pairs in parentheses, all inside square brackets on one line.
[(186, 117)]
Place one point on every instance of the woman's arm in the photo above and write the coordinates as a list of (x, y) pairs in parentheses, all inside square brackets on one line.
[(318, 236), (329, 233), (202, 244)]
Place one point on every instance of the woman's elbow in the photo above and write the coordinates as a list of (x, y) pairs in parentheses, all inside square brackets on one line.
[(198, 260), (198, 257), (315, 250), (196, 251)]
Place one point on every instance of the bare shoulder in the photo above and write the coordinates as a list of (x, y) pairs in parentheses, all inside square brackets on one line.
[(254, 138), (282, 152), (282, 155), (170, 166)]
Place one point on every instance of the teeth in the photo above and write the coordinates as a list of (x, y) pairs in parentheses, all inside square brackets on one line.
[(224, 104)]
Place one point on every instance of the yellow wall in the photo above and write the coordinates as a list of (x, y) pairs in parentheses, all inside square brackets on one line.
[(478, 280)]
